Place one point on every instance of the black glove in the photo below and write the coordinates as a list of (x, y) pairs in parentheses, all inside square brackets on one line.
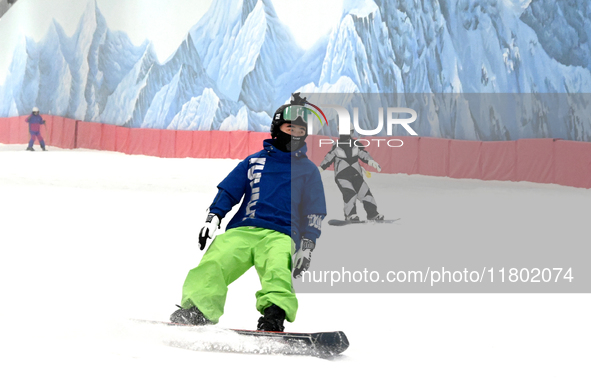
[(303, 258), (212, 223)]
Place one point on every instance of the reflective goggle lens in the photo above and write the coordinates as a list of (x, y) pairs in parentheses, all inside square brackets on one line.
[(292, 113)]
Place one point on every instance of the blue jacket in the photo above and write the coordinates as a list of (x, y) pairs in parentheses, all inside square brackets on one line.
[(282, 191), (35, 122)]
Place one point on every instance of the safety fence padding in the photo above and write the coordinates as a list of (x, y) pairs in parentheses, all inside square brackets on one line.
[(557, 161), (464, 159), (497, 160), (572, 163), (108, 137), (534, 160), (4, 131)]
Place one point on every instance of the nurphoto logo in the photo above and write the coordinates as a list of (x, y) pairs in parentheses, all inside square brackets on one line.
[(392, 119)]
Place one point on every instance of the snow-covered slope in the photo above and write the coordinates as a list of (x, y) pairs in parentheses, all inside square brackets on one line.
[(115, 235)]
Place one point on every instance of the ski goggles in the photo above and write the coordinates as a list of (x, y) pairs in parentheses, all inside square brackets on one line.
[(294, 112)]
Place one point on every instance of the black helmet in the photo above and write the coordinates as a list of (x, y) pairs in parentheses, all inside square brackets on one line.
[(294, 112)]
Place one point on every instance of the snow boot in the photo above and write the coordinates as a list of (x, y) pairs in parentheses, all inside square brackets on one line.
[(190, 316), (272, 320), (352, 218), (378, 217), (30, 149)]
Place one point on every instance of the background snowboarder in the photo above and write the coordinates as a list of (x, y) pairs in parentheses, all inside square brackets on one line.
[(35, 121), (282, 209), (348, 176)]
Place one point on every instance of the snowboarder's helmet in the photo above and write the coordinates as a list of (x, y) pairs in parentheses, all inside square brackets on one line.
[(294, 112), (35, 109)]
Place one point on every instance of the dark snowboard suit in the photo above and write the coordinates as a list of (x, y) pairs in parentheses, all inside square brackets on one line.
[(348, 175)]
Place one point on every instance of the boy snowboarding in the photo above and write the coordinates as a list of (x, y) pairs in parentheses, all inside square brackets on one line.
[(35, 121), (349, 177), (282, 209)]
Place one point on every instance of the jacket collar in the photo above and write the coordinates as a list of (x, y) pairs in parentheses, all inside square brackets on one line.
[(269, 146)]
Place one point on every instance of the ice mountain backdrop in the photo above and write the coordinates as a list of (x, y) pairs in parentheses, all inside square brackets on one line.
[(447, 59)]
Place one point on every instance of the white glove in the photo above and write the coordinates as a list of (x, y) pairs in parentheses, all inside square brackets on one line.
[(375, 165), (303, 258), (211, 224)]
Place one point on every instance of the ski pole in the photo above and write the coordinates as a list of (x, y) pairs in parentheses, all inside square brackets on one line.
[(46, 132)]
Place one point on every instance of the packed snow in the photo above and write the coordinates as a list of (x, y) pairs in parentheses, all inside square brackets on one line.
[(91, 240)]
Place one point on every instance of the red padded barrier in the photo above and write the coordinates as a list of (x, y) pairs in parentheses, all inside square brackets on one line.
[(150, 141), (13, 130), (4, 131), (255, 141), (18, 135), (122, 139), (136, 137), (404, 159), (56, 131), (62, 132), (109, 138), (183, 144), (433, 156), (572, 163), (47, 130), (534, 160), (23, 130), (89, 135), (313, 151), (318, 147), (238, 145), (166, 149), (69, 132), (220, 144), (202, 145), (497, 160), (464, 159)]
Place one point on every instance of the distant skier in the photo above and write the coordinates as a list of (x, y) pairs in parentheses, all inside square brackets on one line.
[(35, 121), (348, 176), (282, 209)]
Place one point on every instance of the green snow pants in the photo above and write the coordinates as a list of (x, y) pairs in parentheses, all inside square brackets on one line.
[(229, 256)]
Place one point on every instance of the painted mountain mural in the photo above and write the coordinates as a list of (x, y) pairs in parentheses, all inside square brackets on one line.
[(446, 59)]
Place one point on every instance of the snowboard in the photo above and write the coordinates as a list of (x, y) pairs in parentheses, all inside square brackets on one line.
[(339, 222), (213, 338)]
